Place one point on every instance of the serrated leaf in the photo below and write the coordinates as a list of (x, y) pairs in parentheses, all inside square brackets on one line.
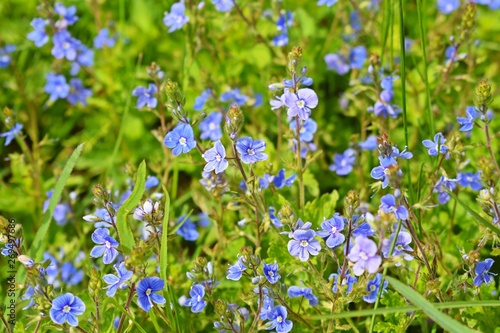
[(125, 234), (322, 207)]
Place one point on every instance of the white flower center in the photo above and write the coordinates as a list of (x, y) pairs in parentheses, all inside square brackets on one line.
[(279, 319), (66, 45), (198, 298), (66, 308), (301, 103), (399, 247), (148, 291), (271, 273), (302, 130), (373, 287), (363, 256), (334, 230), (107, 244), (304, 243), (218, 158), (250, 151), (182, 141), (212, 126)]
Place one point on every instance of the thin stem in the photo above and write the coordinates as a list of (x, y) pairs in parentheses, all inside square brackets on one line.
[(7, 325), (381, 288), (127, 306), (488, 145), (299, 167)]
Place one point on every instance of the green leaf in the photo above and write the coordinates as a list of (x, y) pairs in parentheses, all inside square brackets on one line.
[(37, 247), (322, 207), (477, 217), (125, 234), (386, 311), (428, 308), (311, 183)]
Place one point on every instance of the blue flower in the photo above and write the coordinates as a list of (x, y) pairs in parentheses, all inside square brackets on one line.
[(470, 179), (272, 216), (301, 103), (440, 188), (146, 289), (11, 134), (280, 40), (303, 244), (56, 86), (68, 16), (117, 281), (483, 274), (200, 101), (332, 228), (28, 296), (70, 275), (401, 248), (188, 229), (278, 320), (280, 181), (102, 39), (437, 146), (235, 271), (85, 57), (384, 109), (448, 6), (373, 287), (382, 171), (106, 246), (181, 139), (151, 182), (223, 5), (343, 163), (38, 36), (327, 3), (267, 305), (176, 19), (468, 122), (296, 291), (215, 158), (271, 272), (370, 143), (357, 57), (146, 96), (78, 93), (65, 46), (251, 151), (364, 229), (284, 21), (65, 308), (234, 95), (388, 205), (307, 129), (337, 62), (210, 127), (196, 302), (5, 57), (364, 255), (347, 280)]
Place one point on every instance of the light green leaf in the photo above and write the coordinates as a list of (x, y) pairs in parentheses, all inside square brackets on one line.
[(37, 247), (428, 308), (127, 240)]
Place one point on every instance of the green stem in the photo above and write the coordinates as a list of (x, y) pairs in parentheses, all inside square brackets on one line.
[(381, 288), (299, 167)]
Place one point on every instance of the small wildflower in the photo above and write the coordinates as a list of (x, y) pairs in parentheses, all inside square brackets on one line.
[(38, 36), (146, 292), (56, 86), (388, 205), (215, 158), (235, 271), (11, 134), (373, 287), (176, 19), (343, 163), (483, 274), (251, 151), (364, 256), (471, 179), (181, 139), (271, 272), (65, 308), (106, 246), (437, 146), (468, 122), (332, 228), (210, 127), (296, 291), (102, 39), (196, 302), (300, 104), (278, 320), (146, 97), (303, 244)]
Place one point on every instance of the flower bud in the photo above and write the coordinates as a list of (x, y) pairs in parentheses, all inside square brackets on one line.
[(234, 121)]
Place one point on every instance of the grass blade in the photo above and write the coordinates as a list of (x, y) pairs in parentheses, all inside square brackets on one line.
[(37, 247), (125, 234), (164, 237), (385, 311), (476, 216), (443, 320)]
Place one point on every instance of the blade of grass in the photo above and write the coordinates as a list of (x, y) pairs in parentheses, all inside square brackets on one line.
[(476, 216), (125, 234), (385, 311), (385, 28), (122, 309), (164, 237), (178, 225), (443, 320), (426, 72), (37, 247)]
